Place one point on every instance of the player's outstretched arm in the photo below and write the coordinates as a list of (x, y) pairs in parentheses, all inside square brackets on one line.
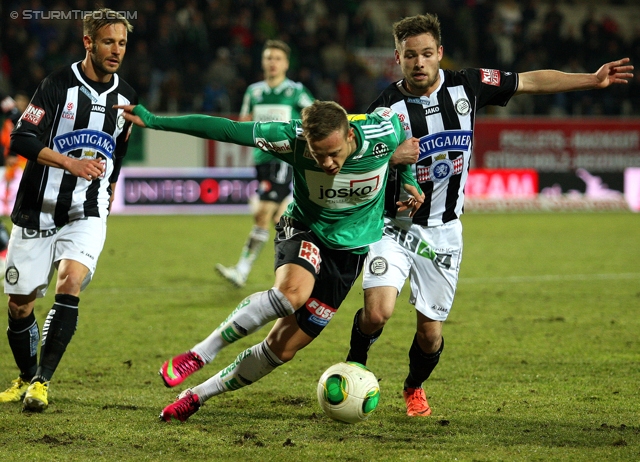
[(202, 126), (552, 81)]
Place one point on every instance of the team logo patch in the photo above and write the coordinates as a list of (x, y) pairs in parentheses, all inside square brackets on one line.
[(378, 266), (33, 114), (310, 252), (490, 77), (380, 150), (12, 275), (427, 173), (120, 121), (441, 170), (321, 313), (463, 106)]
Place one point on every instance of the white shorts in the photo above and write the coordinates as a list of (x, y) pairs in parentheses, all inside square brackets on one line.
[(398, 255), (33, 255)]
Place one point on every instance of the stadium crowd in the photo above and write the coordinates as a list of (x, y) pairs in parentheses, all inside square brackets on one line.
[(200, 55)]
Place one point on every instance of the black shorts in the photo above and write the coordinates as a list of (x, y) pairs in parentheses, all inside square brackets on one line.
[(274, 181), (335, 272)]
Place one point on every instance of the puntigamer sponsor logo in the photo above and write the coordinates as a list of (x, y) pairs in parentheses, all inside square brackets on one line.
[(450, 140), (86, 138)]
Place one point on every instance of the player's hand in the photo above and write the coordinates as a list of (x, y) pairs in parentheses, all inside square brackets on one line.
[(614, 72), (129, 115), (414, 201), (89, 169), (407, 153)]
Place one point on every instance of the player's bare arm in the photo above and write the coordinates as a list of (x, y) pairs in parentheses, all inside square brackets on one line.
[(407, 153), (89, 169), (552, 81)]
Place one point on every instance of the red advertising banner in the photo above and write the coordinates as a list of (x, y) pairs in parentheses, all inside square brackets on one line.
[(557, 145), (501, 184)]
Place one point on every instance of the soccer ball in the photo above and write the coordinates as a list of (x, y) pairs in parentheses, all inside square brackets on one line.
[(348, 392)]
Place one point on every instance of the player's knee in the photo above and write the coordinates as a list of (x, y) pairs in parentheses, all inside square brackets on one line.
[(429, 340), (70, 283), (375, 317), (20, 306)]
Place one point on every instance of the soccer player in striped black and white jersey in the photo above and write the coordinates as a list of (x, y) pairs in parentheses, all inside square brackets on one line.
[(438, 107), (75, 143)]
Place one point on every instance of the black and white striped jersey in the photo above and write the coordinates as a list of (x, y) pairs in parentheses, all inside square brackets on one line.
[(444, 124), (73, 116)]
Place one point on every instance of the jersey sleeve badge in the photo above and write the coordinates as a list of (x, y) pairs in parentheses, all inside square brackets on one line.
[(33, 114), (490, 77)]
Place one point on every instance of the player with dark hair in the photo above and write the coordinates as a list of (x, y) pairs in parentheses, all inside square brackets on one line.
[(438, 107), (276, 98), (74, 142), (340, 168)]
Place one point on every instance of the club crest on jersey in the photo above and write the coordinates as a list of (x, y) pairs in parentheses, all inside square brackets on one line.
[(441, 170), (463, 106), (85, 138), (33, 114), (449, 140), (12, 275), (380, 150), (120, 121), (378, 266)]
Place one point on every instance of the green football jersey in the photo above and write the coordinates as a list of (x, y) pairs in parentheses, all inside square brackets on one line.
[(344, 210), (281, 104)]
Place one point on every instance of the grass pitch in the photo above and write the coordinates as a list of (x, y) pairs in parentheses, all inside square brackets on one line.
[(542, 358)]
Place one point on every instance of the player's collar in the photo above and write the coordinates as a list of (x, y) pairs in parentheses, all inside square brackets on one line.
[(90, 84)]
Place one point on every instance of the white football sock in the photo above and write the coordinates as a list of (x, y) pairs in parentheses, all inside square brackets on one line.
[(250, 366), (250, 315), (252, 248)]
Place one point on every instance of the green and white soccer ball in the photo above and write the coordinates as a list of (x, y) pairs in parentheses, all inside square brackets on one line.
[(348, 392)]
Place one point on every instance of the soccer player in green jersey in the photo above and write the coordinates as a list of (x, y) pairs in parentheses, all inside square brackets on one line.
[(340, 170), (276, 98)]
